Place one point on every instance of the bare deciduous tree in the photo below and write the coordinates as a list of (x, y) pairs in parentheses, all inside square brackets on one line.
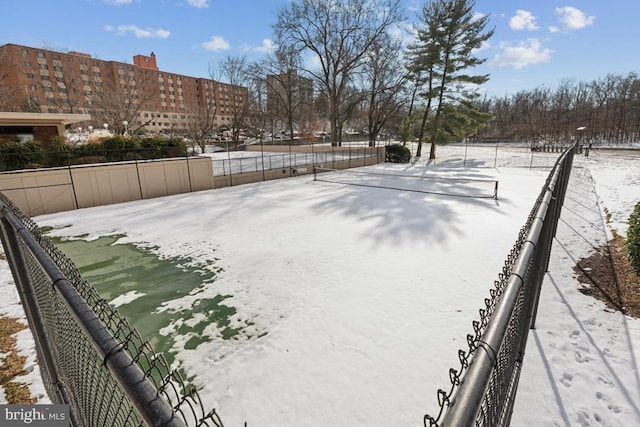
[(338, 33), (289, 95), (201, 122), (259, 118), (384, 85), (116, 101), (234, 70)]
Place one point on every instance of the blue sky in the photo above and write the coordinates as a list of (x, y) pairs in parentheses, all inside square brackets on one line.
[(536, 42)]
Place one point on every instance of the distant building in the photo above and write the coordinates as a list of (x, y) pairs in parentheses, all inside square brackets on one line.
[(41, 80), (288, 90), (41, 126)]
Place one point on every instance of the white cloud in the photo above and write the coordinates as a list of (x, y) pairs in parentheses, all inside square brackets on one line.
[(200, 4), (216, 43), (312, 62), (267, 46), (525, 53), (523, 20), (485, 45), (138, 32), (574, 19), (404, 32)]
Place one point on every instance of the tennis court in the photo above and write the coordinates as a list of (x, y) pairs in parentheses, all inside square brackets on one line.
[(350, 302)]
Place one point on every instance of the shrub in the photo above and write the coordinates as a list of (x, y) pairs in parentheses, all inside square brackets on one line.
[(156, 148), (115, 149), (18, 155), (59, 152), (396, 153), (633, 238)]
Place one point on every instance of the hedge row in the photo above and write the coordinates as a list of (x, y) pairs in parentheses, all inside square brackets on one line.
[(16, 155), (633, 238)]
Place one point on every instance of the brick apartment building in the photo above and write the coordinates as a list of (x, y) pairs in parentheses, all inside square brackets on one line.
[(140, 94)]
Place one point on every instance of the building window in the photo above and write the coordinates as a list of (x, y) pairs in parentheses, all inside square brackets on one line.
[(43, 67), (40, 55), (30, 75)]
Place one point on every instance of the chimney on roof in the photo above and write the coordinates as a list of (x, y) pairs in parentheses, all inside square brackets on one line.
[(147, 62)]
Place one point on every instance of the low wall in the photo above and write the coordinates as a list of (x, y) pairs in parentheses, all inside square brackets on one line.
[(43, 191)]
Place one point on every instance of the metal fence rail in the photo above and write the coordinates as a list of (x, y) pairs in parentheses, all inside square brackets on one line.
[(91, 358), (256, 161), (483, 389)]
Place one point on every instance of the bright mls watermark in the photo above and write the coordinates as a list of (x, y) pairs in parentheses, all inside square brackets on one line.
[(34, 415)]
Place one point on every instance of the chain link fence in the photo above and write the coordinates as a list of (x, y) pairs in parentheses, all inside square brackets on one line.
[(241, 162), (91, 358), (483, 388)]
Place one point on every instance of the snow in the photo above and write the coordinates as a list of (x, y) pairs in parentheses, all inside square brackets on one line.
[(354, 301), (25, 346), (126, 298)]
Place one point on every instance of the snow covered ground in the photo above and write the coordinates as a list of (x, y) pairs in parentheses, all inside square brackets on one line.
[(352, 301), (582, 366)]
